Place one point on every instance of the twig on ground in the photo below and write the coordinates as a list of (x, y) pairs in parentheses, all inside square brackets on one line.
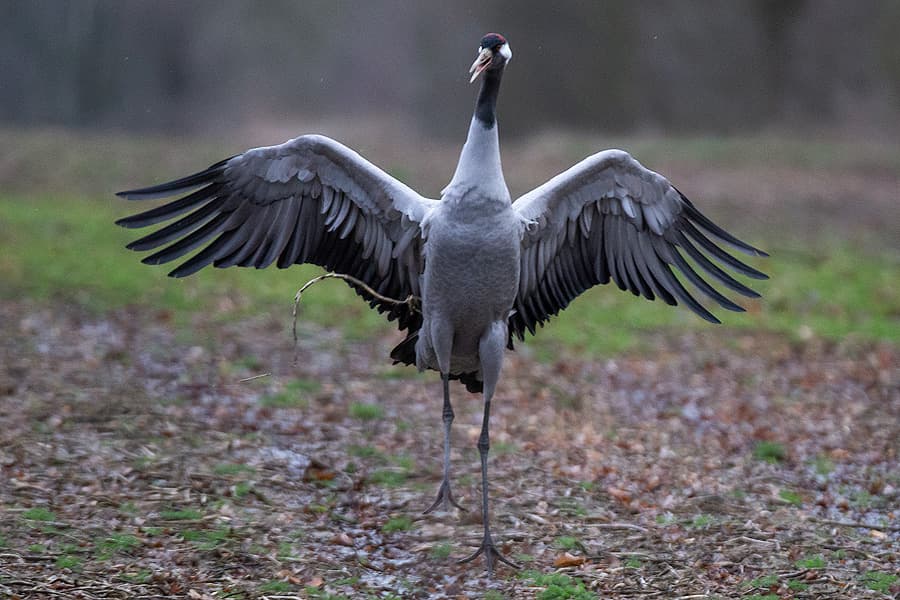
[(617, 526), (411, 301), (246, 379)]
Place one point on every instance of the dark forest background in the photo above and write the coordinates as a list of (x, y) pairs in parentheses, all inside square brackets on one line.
[(668, 66)]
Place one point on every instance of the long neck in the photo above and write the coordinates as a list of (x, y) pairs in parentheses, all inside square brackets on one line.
[(486, 105), (479, 163)]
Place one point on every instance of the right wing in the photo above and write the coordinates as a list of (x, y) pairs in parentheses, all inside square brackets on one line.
[(609, 218)]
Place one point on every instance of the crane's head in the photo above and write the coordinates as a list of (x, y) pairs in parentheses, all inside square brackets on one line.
[(493, 53)]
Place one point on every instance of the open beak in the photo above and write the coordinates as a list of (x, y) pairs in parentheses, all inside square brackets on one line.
[(485, 56)]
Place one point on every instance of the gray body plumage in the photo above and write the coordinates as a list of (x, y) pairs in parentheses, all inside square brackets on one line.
[(486, 269), (472, 242)]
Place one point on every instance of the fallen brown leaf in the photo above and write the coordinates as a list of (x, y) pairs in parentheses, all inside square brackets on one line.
[(568, 560)]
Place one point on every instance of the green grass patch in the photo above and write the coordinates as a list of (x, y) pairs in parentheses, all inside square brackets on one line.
[(184, 514), (206, 539), (242, 488), (558, 586), (365, 451), (397, 524), (665, 519), (823, 465), (39, 513), (811, 562), (791, 497), (880, 582), (366, 412), (572, 507), (128, 508), (294, 395), (770, 452), (226, 469), (407, 463), (567, 542), (766, 581), (116, 543), (141, 576), (504, 447), (285, 550), (441, 551), (317, 594), (701, 521), (861, 499), (275, 587), (522, 557), (67, 561)]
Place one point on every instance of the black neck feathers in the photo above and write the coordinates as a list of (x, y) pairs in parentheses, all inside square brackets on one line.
[(485, 106)]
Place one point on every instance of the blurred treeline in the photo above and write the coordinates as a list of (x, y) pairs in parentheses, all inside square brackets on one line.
[(614, 65)]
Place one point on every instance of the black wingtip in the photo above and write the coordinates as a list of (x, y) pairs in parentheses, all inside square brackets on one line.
[(717, 231), (710, 318), (152, 260), (177, 186), (139, 194), (754, 273), (131, 222)]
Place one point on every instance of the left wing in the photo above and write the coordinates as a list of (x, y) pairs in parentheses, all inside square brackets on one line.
[(309, 200), (606, 218)]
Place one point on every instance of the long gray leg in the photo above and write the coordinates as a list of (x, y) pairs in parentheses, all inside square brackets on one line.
[(490, 351), (442, 342), (445, 495)]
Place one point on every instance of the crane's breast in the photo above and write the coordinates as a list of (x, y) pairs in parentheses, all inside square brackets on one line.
[(472, 268)]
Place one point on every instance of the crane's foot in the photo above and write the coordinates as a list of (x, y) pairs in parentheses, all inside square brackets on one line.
[(491, 555), (444, 499)]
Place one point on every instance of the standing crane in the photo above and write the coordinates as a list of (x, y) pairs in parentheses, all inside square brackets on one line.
[(485, 269)]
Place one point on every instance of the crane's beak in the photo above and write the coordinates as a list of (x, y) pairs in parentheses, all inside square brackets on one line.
[(485, 56)]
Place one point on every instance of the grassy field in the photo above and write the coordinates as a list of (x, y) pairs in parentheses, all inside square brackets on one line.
[(65, 248), (637, 451)]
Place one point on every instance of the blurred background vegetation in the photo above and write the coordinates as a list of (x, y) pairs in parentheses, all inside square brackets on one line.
[(778, 117), (671, 65)]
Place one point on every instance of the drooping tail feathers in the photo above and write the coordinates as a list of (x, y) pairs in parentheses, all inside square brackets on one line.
[(405, 353)]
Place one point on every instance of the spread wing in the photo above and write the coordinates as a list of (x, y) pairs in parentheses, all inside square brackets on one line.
[(606, 218), (309, 200)]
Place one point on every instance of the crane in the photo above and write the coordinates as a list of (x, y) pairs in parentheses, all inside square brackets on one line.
[(485, 269)]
